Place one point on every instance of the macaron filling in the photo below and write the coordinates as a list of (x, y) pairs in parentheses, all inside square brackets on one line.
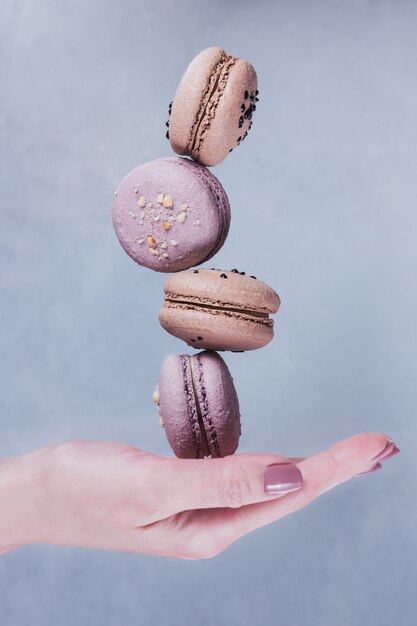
[(204, 440), (214, 437), (215, 89), (172, 301), (203, 432), (193, 419)]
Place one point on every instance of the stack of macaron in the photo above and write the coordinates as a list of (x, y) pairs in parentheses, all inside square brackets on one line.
[(173, 214)]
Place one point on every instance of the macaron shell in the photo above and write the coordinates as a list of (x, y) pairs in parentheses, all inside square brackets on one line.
[(214, 330), (221, 200), (218, 402), (191, 91), (178, 409), (223, 132), (176, 237), (222, 288)]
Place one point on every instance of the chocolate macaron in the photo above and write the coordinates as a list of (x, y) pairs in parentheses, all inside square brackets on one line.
[(219, 310), (213, 106)]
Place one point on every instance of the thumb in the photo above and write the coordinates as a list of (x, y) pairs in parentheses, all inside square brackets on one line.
[(231, 482)]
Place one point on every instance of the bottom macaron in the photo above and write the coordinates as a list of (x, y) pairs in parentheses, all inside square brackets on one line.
[(198, 405)]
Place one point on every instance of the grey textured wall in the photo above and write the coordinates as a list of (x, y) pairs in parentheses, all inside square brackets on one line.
[(323, 194)]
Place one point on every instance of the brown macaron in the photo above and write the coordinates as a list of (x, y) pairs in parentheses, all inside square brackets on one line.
[(219, 310), (212, 110)]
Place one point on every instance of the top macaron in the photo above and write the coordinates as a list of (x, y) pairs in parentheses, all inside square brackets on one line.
[(212, 109)]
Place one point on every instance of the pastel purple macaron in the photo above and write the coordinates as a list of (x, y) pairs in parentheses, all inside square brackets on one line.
[(198, 405), (171, 214)]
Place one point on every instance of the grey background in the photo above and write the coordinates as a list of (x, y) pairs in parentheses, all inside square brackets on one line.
[(323, 194)]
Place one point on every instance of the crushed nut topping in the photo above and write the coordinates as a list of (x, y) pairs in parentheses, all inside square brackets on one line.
[(167, 201)]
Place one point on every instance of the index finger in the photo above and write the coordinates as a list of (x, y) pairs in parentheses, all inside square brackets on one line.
[(320, 472)]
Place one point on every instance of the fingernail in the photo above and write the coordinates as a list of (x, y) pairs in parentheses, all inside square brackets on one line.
[(388, 451), (393, 452), (374, 468), (282, 478)]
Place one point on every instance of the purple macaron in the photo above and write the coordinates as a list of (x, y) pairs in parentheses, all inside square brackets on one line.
[(198, 405), (171, 214)]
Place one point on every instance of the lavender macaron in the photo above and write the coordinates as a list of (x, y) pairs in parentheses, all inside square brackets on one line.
[(171, 214), (198, 405)]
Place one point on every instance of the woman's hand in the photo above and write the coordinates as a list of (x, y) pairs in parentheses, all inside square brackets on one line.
[(114, 496)]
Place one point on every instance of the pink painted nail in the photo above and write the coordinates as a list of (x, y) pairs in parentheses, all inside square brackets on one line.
[(387, 448), (282, 478), (374, 468), (389, 451)]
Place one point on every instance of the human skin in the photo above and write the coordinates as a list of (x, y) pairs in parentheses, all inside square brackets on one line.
[(117, 497)]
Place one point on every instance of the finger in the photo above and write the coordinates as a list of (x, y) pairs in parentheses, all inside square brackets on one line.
[(296, 459), (8, 549), (320, 473), (231, 482)]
